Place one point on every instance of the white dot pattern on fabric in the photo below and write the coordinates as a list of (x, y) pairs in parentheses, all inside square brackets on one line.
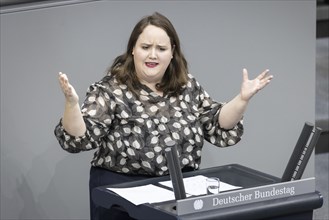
[(130, 134)]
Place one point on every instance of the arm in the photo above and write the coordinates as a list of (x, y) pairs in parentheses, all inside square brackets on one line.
[(233, 111), (72, 119)]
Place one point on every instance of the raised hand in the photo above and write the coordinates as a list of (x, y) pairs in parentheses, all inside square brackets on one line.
[(250, 87), (70, 94)]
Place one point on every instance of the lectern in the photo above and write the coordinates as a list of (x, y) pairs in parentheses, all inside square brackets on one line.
[(298, 207), (262, 196)]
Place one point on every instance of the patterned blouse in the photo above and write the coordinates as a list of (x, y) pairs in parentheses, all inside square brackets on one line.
[(131, 134)]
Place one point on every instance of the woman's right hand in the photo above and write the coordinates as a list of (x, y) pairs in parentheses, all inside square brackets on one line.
[(71, 96)]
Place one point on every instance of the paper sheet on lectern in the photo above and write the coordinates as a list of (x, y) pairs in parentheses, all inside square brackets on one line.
[(196, 185), (144, 194)]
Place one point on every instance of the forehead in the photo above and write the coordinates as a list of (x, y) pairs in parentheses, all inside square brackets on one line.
[(153, 34)]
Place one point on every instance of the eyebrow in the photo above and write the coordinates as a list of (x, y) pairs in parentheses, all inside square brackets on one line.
[(158, 45)]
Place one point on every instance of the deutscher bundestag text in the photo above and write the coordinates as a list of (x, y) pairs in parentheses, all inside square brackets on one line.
[(257, 194)]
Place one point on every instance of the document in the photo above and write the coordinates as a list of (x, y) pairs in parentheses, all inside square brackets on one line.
[(196, 185), (144, 194)]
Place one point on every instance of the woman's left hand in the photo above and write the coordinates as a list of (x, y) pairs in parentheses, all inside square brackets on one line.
[(250, 87)]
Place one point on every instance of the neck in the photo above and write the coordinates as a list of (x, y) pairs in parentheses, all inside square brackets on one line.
[(152, 86)]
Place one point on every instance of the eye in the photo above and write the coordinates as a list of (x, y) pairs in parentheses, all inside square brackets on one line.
[(162, 48), (145, 47)]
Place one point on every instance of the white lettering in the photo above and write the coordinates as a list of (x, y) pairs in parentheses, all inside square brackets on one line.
[(274, 192), (257, 194), (215, 201), (231, 199)]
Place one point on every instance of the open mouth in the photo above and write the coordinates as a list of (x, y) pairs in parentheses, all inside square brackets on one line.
[(151, 64)]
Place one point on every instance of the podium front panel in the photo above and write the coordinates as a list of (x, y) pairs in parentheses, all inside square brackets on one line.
[(299, 206)]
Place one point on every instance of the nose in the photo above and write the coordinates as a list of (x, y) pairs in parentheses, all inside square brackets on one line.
[(152, 54)]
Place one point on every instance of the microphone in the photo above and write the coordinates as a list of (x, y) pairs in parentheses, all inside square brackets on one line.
[(175, 171)]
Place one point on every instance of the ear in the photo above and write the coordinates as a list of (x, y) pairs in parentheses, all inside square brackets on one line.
[(172, 51)]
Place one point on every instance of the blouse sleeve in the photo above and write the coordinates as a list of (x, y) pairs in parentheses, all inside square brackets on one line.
[(96, 111), (209, 112)]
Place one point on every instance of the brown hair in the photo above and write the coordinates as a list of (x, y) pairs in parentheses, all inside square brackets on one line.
[(176, 74)]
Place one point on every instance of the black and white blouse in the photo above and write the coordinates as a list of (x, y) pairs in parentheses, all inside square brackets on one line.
[(131, 134)]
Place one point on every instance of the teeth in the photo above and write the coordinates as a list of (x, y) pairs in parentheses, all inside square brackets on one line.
[(151, 64)]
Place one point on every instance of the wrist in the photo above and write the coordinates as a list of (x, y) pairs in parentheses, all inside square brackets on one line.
[(71, 104), (243, 100)]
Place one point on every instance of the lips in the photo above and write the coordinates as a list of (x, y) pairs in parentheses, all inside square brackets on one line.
[(151, 64)]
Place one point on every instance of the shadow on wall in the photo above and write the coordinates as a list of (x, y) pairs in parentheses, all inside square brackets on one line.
[(18, 189), (30, 207), (63, 197), (45, 193)]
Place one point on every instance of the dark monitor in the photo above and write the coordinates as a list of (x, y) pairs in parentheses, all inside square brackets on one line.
[(301, 153)]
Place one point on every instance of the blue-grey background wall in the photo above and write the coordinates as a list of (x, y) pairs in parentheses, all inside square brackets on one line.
[(41, 181)]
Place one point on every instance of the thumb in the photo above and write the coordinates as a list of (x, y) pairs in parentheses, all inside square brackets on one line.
[(245, 74)]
